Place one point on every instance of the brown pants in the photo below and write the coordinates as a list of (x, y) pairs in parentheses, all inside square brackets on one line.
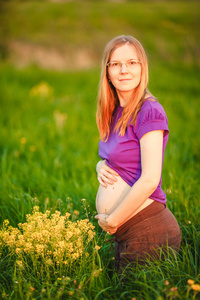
[(145, 234)]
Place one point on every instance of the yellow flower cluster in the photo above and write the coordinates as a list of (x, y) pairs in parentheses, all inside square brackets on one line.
[(43, 89), (50, 236)]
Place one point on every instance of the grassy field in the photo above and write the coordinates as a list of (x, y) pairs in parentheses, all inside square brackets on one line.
[(49, 148)]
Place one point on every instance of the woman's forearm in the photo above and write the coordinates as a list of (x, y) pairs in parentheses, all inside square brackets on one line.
[(138, 194)]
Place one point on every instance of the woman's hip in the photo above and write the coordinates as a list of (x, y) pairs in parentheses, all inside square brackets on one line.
[(151, 232), (154, 223)]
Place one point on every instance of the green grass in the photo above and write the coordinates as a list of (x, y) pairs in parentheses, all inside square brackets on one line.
[(42, 163), (66, 154)]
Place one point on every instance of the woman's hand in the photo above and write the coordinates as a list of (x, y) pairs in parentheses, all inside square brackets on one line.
[(104, 224), (106, 175)]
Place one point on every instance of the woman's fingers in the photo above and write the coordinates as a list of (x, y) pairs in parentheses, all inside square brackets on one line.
[(104, 180), (110, 176), (109, 170), (104, 225), (101, 181), (106, 175), (112, 231)]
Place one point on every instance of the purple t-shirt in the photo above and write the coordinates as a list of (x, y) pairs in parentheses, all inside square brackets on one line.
[(122, 153)]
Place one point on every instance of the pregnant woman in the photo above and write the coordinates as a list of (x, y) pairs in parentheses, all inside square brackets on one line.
[(133, 129)]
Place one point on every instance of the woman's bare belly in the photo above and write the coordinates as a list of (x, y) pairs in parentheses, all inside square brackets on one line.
[(109, 198)]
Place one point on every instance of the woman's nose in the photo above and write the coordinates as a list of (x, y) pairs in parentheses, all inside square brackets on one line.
[(123, 68)]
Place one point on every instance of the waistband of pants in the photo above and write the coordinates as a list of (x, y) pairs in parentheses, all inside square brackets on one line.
[(152, 209)]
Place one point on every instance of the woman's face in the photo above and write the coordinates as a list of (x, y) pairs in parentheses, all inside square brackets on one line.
[(124, 71)]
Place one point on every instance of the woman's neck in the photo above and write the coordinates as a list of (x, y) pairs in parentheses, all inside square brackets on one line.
[(124, 97)]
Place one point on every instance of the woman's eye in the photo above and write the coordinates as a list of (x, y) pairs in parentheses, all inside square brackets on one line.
[(132, 63), (115, 64)]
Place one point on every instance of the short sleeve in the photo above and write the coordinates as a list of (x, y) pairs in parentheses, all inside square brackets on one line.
[(151, 117)]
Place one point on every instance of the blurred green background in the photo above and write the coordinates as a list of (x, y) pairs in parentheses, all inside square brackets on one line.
[(72, 34), (50, 55)]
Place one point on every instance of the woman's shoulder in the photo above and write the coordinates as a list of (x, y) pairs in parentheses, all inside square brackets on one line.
[(151, 111), (152, 108), (151, 104), (150, 117)]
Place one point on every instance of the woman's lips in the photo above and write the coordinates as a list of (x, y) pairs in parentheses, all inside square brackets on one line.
[(125, 79)]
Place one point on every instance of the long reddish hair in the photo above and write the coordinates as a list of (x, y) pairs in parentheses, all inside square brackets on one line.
[(107, 98)]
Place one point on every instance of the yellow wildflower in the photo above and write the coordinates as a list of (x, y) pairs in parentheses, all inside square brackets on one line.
[(71, 293), (23, 140), (76, 212), (190, 281), (196, 287), (32, 148), (40, 249), (19, 264), (18, 250), (52, 236), (43, 89), (5, 223), (49, 262), (97, 247), (97, 272)]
